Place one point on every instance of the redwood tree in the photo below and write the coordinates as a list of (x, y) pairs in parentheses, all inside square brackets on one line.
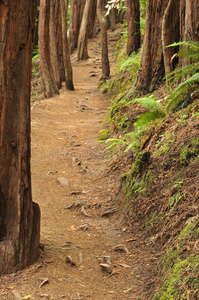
[(50, 86), (82, 51), (133, 20), (76, 12), (167, 21), (104, 41), (66, 54), (19, 216), (152, 66)]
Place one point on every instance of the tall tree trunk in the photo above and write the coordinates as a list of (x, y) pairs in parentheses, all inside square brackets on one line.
[(133, 20), (104, 41), (76, 12), (66, 54), (91, 18), (189, 24), (152, 65), (82, 51), (36, 39), (19, 216), (170, 33), (58, 34), (54, 56), (50, 87), (112, 17)]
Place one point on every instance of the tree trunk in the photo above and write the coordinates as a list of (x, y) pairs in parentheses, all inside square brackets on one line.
[(19, 216), (91, 18), (50, 87), (66, 54), (82, 51), (112, 17), (54, 55), (189, 25), (133, 20), (36, 39), (104, 41), (170, 33), (152, 65), (58, 34), (76, 12)]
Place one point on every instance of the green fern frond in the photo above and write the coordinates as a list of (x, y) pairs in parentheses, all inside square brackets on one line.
[(152, 105), (181, 92)]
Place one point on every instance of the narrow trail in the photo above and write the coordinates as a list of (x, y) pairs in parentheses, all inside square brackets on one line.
[(68, 164)]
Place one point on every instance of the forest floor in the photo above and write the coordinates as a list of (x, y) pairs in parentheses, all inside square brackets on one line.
[(69, 166)]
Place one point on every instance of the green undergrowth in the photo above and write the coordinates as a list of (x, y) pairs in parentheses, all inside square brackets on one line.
[(180, 266), (160, 192)]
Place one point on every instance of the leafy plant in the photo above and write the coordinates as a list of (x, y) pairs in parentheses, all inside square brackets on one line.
[(189, 52), (34, 59)]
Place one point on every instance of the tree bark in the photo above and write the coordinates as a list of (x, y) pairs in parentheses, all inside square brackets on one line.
[(19, 216), (170, 33), (152, 65), (112, 17), (66, 54), (104, 41), (91, 18), (76, 12), (82, 51), (54, 55), (133, 20), (58, 34), (50, 87), (189, 25)]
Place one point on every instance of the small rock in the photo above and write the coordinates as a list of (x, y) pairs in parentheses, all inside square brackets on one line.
[(106, 267), (63, 181)]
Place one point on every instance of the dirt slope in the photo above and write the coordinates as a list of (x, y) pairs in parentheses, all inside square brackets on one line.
[(68, 164)]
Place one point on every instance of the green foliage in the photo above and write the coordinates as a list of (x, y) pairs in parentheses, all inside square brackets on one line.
[(155, 110), (134, 182), (189, 151), (143, 6), (130, 63), (180, 268), (35, 58), (189, 52), (182, 91)]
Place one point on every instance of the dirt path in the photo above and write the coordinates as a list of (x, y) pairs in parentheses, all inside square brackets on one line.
[(68, 164)]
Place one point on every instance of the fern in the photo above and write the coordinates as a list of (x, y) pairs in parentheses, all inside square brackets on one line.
[(155, 110), (191, 53), (182, 90)]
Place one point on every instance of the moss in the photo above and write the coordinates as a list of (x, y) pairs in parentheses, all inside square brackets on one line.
[(179, 280), (163, 147), (190, 151), (180, 268), (188, 232), (184, 155), (134, 182), (153, 218)]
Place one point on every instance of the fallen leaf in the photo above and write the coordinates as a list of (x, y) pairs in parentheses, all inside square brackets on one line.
[(72, 228), (121, 248), (16, 294), (131, 240), (27, 297), (125, 265), (111, 292), (45, 280), (70, 261)]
